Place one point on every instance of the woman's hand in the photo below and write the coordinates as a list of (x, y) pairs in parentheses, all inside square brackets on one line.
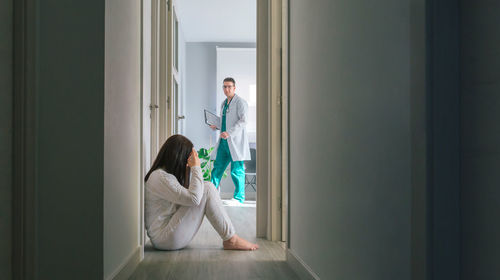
[(213, 127), (193, 159)]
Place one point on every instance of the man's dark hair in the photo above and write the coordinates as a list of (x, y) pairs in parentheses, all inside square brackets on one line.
[(229, 79)]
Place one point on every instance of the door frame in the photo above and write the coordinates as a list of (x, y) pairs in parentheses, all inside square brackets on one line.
[(272, 120), (272, 108), (155, 77), (285, 105)]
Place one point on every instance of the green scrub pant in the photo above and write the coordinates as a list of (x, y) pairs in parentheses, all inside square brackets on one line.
[(237, 170)]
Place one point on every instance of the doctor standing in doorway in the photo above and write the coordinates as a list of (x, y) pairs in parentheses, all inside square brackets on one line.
[(232, 146)]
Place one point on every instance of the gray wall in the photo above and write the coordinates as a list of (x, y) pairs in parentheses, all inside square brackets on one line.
[(6, 87), (88, 131), (444, 143), (480, 139), (200, 82), (69, 139), (418, 112), (87, 137), (349, 97), (121, 133)]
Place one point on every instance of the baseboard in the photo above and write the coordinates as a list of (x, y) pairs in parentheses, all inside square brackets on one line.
[(125, 270), (299, 266)]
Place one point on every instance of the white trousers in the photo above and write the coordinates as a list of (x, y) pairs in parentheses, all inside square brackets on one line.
[(186, 222)]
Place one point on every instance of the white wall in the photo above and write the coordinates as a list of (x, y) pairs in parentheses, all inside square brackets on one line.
[(6, 96), (240, 64), (121, 132), (350, 138)]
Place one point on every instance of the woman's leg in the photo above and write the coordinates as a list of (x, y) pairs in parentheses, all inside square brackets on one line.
[(182, 227), (219, 219), (186, 222), (216, 213)]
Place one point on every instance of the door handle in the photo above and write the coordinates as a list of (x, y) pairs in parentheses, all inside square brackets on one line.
[(181, 117), (151, 107)]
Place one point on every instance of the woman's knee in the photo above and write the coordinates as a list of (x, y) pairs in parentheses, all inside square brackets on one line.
[(209, 186)]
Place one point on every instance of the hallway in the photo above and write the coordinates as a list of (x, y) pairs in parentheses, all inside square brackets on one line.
[(205, 259), (393, 143)]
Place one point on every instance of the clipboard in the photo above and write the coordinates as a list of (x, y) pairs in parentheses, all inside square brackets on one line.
[(212, 119)]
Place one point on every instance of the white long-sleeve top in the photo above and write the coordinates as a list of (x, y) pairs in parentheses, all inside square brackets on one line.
[(164, 195)]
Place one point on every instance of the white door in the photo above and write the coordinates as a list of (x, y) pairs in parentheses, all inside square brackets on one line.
[(155, 79), (174, 98)]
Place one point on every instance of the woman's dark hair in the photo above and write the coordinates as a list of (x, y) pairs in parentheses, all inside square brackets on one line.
[(173, 157)]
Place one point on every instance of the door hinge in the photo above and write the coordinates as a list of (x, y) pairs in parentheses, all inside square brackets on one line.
[(151, 108), (168, 5), (280, 203)]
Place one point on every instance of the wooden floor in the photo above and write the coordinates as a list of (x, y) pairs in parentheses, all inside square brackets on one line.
[(204, 258)]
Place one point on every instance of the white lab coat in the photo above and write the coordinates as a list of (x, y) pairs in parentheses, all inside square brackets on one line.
[(236, 121)]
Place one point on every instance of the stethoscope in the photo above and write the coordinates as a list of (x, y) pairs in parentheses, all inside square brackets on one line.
[(227, 108)]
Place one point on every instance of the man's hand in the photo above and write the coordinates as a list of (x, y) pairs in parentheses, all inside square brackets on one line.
[(224, 135), (213, 127)]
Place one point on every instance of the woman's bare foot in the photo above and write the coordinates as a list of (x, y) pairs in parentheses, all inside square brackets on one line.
[(238, 243)]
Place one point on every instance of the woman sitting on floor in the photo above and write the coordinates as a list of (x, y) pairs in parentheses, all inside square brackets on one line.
[(177, 199)]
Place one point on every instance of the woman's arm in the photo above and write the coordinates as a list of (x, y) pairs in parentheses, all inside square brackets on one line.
[(170, 189), (167, 186)]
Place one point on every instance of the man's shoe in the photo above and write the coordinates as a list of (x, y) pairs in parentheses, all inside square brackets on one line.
[(232, 202)]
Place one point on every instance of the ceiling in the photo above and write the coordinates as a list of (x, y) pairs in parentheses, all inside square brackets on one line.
[(217, 20)]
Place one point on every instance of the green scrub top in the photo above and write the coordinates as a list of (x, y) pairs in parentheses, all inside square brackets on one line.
[(223, 126)]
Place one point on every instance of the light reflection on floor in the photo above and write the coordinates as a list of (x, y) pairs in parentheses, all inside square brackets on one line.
[(247, 203)]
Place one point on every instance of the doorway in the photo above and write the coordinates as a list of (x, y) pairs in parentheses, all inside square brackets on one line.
[(170, 105)]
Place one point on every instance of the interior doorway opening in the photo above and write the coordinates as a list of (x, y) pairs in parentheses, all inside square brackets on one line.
[(179, 83), (240, 64), (183, 69)]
